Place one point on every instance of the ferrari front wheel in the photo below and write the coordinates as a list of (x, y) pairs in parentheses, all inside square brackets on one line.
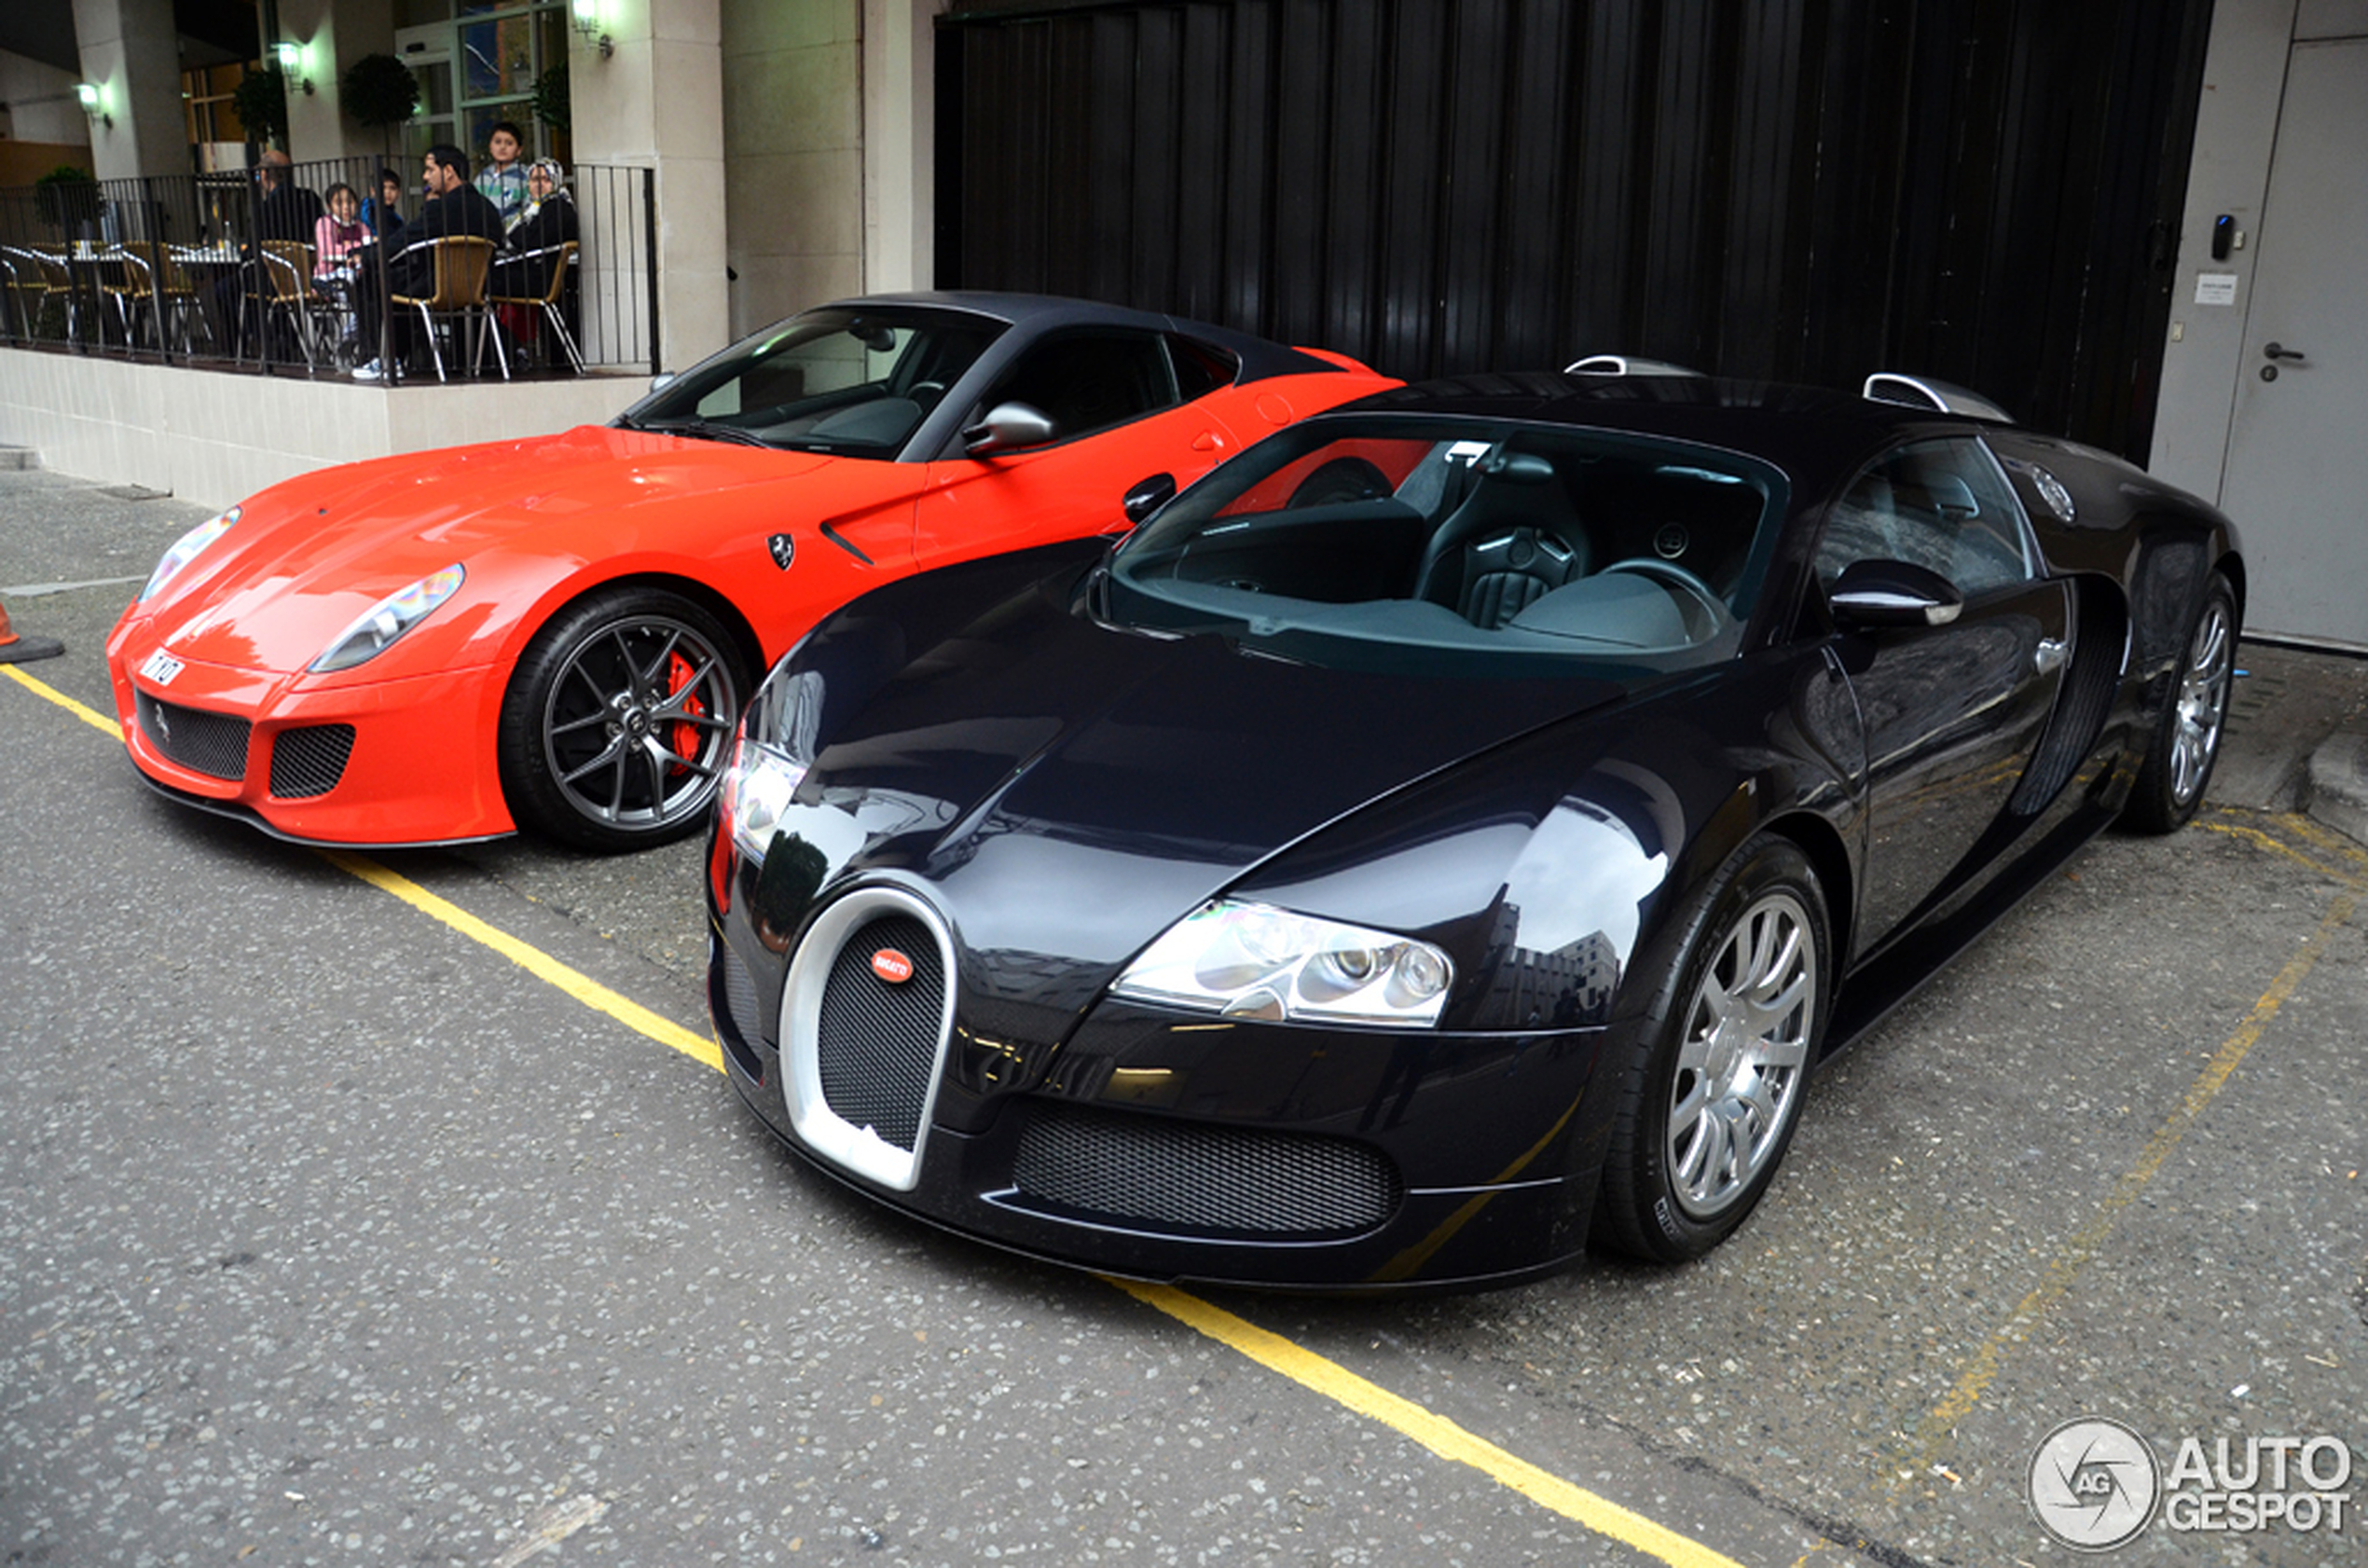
[(1714, 1089), (618, 722), (2171, 784)]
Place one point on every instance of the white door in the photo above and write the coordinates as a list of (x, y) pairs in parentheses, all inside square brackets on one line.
[(2297, 476)]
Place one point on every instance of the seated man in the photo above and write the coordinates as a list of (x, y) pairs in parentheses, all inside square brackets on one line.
[(453, 207)]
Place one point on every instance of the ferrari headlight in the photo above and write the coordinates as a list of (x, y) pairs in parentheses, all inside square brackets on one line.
[(756, 791), (1252, 960), (184, 548), (378, 626)]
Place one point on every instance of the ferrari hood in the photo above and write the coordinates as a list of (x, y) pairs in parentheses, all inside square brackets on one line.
[(309, 555), (1073, 789)]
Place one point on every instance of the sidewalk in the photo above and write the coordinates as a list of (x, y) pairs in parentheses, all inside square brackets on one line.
[(2298, 737)]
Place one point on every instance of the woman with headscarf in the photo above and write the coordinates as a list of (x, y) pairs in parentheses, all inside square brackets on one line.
[(531, 248)]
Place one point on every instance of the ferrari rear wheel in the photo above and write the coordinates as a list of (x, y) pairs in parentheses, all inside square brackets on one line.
[(1711, 1095), (618, 722), (2170, 785)]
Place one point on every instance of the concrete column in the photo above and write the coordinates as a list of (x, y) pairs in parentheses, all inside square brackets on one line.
[(332, 35), (899, 144), (793, 126), (132, 53), (657, 102)]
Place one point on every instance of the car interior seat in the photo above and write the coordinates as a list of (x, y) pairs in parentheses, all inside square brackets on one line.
[(1513, 538)]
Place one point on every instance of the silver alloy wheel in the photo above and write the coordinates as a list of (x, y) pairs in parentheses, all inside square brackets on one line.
[(2203, 701), (639, 722), (1743, 1060)]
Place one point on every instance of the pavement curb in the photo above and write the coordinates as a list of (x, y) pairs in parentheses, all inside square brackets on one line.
[(19, 458), (2338, 795)]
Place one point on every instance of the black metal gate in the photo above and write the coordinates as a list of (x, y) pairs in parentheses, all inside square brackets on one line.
[(1983, 191)]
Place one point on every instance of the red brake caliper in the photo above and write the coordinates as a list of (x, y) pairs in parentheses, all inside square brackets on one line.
[(683, 739)]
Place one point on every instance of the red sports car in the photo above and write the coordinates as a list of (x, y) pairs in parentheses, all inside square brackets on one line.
[(556, 633)]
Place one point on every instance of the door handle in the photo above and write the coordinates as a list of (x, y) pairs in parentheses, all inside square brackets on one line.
[(2278, 351), (2049, 655)]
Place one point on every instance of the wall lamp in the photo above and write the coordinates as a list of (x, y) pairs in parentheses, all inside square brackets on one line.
[(94, 103), (291, 59), (588, 21)]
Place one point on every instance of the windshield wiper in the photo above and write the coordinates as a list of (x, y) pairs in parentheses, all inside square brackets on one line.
[(707, 428)]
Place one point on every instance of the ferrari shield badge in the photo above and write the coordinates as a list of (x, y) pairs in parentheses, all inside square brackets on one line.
[(784, 550)]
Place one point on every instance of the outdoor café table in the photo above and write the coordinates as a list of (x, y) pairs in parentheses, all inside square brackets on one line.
[(205, 266)]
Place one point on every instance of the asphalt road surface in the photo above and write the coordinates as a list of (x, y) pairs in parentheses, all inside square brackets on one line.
[(335, 1233)]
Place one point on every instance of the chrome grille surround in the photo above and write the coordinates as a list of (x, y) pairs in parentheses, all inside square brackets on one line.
[(807, 1040)]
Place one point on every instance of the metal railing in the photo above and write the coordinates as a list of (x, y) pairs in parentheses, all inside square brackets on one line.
[(220, 270)]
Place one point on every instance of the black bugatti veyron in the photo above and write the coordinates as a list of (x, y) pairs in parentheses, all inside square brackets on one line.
[(1451, 833)]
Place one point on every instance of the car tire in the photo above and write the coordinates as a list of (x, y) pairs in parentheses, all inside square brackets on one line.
[(1713, 1086), (2186, 742), (618, 721)]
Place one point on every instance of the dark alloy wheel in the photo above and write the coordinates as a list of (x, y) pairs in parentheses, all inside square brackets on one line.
[(1713, 1091), (618, 722), (2179, 764)]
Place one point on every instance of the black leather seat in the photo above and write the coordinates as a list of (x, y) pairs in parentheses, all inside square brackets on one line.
[(1514, 538)]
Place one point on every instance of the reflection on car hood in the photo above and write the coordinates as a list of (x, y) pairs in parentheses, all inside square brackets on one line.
[(309, 555), (1073, 789)]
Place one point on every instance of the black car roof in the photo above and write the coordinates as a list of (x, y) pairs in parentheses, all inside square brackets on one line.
[(1043, 312), (1816, 434)]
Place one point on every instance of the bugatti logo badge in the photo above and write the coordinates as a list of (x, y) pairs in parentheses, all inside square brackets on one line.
[(1671, 541), (891, 966), (784, 550)]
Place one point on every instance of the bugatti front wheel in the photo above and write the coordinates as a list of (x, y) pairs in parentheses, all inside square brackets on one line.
[(618, 722), (1711, 1095)]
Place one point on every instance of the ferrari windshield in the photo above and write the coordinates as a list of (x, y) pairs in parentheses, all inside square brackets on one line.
[(1406, 542), (857, 383)]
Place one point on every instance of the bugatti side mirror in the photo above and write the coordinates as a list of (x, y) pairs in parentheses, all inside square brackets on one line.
[(1006, 428), (1149, 496), (1873, 594)]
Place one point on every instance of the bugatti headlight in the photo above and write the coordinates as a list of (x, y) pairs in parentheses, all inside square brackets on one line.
[(756, 791), (185, 549), (378, 626), (1252, 960)]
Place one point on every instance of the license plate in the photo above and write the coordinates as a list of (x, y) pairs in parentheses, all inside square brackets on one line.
[(160, 667)]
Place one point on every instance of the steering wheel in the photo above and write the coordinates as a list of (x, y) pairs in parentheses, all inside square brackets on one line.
[(1672, 575), (925, 393)]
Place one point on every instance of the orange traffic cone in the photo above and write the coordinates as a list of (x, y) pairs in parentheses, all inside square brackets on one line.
[(15, 649)]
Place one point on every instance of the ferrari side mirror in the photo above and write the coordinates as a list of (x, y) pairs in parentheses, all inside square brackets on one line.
[(659, 382), (1006, 428), (1894, 593), (1149, 496)]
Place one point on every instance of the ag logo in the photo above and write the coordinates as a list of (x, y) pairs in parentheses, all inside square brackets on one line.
[(2093, 1484), (784, 550), (891, 966)]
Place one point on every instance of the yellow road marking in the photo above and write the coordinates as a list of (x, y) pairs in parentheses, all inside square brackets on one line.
[(583, 987), (1435, 1432), (2356, 881), (51, 694), (536, 962), (1932, 1433)]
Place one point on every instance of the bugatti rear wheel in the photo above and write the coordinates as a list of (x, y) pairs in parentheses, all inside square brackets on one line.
[(2171, 784), (1714, 1092), (618, 722)]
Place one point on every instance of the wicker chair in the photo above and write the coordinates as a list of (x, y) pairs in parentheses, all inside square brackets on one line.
[(130, 284), (57, 278), (27, 291), (551, 299), (179, 306), (463, 262), (284, 287)]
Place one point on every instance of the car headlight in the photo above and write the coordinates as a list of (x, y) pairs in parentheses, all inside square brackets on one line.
[(756, 791), (184, 548), (375, 630), (1252, 960)]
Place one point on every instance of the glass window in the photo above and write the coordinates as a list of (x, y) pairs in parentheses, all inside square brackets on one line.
[(1087, 381), (1938, 504), (859, 384), (1423, 543)]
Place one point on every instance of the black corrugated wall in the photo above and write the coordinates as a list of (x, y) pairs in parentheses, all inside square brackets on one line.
[(1982, 190)]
